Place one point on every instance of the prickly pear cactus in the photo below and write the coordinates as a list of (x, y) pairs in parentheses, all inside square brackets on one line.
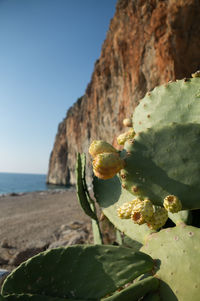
[(157, 186), (161, 168)]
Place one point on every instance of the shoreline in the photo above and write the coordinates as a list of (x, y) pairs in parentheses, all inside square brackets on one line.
[(50, 190)]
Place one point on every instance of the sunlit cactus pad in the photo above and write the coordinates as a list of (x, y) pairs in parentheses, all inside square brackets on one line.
[(165, 161), (173, 102), (177, 251)]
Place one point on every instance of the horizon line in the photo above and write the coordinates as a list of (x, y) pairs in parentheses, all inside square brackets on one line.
[(24, 173)]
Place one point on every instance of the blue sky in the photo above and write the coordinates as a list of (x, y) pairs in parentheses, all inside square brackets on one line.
[(47, 53)]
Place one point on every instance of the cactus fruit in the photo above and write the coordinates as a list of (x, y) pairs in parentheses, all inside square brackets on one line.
[(158, 219), (172, 204), (99, 147), (127, 122), (121, 139), (126, 209), (142, 212), (107, 165)]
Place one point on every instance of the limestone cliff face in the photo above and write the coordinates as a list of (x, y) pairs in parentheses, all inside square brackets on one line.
[(149, 42)]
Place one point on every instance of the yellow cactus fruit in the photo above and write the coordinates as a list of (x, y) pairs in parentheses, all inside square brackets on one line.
[(107, 165), (99, 147), (142, 212), (196, 74), (172, 204), (158, 219), (127, 122), (125, 210), (121, 139)]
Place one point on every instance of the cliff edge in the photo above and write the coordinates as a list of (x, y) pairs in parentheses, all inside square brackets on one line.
[(149, 42)]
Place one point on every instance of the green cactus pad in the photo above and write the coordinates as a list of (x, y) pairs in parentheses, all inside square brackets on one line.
[(110, 195), (173, 102), (78, 272), (81, 188), (165, 161), (130, 243), (184, 216), (30, 297), (135, 291), (177, 252), (152, 297), (84, 198)]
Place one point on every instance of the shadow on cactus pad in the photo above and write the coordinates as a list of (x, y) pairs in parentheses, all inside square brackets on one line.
[(108, 197), (81, 272)]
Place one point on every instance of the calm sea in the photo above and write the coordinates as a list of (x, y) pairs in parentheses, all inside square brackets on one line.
[(17, 183)]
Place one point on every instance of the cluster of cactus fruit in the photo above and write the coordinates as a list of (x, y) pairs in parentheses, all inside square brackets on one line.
[(107, 163), (150, 191)]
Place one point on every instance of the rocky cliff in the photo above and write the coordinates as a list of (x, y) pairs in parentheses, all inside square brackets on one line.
[(149, 42)]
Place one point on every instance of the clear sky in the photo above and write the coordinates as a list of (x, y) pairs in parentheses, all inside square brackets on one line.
[(47, 53)]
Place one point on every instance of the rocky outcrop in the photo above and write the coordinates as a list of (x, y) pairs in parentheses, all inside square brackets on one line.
[(149, 42)]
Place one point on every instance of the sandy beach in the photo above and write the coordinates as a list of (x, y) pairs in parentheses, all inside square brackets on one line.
[(34, 219)]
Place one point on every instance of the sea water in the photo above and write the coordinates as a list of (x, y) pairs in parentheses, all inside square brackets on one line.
[(19, 183)]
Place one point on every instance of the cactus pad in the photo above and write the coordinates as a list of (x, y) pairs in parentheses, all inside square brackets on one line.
[(173, 102), (177, 252), (135, 291), (164, 161), (82, 193), (30, 297), (78, 272), (110, 196)]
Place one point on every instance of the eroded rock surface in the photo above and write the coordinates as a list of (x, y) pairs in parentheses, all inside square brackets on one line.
[(149, 42)]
